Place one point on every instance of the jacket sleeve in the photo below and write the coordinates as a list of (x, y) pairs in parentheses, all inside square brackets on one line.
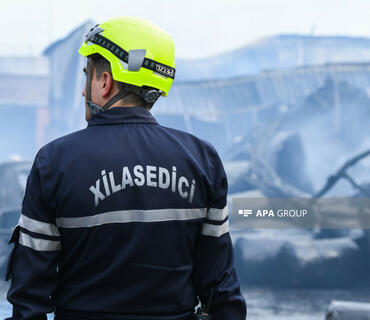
[(32, 265), (214, 260)]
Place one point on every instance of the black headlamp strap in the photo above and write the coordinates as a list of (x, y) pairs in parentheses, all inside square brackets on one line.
[(123, 55)]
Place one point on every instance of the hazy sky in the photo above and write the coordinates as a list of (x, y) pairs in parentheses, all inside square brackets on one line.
[(199, 27)]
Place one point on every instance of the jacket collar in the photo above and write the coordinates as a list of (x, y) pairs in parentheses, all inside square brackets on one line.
[(122, 115)]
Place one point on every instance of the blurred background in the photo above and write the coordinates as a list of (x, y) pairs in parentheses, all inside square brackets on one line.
[(282, 90)]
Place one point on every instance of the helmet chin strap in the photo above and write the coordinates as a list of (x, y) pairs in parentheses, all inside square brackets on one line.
[(94, 108)]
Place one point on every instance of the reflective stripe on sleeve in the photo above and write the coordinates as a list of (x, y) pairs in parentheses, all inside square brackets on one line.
[(217, 214), (125, 216), (37, 226), (39, 244), (215, 230)]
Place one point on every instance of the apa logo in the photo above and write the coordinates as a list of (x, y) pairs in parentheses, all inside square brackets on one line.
[(245, 212), (265, 213)]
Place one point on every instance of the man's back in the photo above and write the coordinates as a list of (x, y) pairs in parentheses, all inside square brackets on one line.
[(140, 222)]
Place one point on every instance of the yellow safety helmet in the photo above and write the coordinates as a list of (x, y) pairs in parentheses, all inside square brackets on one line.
[(139, 52)]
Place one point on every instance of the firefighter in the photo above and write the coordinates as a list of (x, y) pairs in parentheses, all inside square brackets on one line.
[(125, 219)]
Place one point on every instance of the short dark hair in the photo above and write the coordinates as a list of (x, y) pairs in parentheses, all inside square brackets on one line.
[(102, 65)]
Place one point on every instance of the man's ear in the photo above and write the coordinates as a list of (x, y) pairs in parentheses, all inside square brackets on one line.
[(107, 84)]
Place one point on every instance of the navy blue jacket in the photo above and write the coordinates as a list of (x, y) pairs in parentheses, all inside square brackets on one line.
[(125, 219)]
